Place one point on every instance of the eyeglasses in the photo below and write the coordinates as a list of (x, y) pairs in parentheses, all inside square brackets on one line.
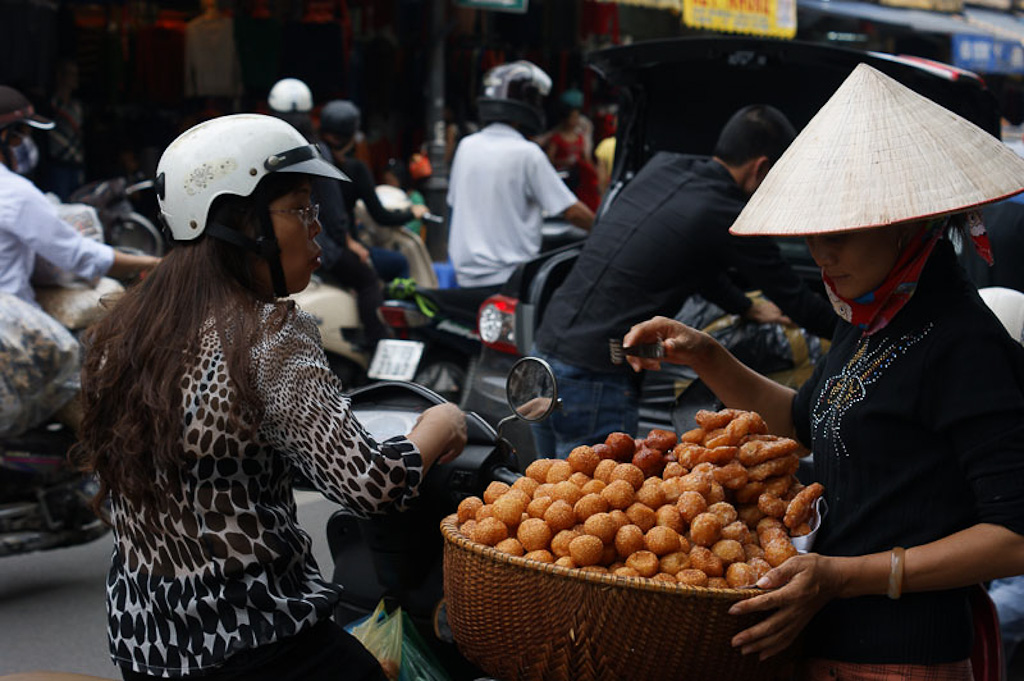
[(307, 214)]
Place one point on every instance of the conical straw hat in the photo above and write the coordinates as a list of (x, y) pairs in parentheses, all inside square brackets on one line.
[(875, 154)]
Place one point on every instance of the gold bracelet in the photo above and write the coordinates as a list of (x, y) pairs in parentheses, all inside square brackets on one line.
[(896, 572)]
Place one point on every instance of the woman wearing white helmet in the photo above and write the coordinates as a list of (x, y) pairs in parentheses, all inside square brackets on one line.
[(203, 392)]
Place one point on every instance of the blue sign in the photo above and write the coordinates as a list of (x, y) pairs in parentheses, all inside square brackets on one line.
[(985, 54)]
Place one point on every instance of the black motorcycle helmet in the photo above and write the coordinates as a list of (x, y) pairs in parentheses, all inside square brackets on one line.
[(340, 117), (514, 93), (16, 114)]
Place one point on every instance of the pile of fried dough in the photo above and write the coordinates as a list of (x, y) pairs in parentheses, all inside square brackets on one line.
[(714, 507)]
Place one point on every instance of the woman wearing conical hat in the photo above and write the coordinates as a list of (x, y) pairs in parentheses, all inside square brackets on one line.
[(915, 417)]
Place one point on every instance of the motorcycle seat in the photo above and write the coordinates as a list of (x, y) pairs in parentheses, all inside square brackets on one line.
[(460, 304)]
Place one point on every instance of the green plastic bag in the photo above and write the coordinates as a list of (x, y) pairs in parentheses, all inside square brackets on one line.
[(393, 639)]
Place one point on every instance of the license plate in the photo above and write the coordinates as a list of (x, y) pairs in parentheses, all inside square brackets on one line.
[(395, 360)]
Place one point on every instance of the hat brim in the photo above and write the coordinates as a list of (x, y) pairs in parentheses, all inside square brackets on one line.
[(318, 167), (38, 122)]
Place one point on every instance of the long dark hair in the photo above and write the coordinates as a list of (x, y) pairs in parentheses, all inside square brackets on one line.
[(137, 354)]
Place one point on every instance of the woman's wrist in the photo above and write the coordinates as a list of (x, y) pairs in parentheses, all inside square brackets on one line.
[(863, 575)]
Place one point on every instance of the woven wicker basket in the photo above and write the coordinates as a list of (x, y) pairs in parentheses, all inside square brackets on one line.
[(518, 619)]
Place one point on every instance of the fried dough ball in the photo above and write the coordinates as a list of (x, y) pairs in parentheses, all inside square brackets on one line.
[(786, 465), (719, 437), (566, 491), (801, 530), (672, 489), (560, 516), (588, 506), (765, 524), (799, 510), (697, 481), (609, 555), (510, 546), (651, 494), (558, 472), (494, 490), (649, 461), (601, 525), (752, 551), (619, 517), (778, 551), (543, 490), (579, 479), (622, 446), (688, 453), (526, 485), (673, 469), (468, 508), (771, 505), (625, 572), (723, 510), (732, 476), (672, 563), (664, 577), (717, 583), (662, 440), (490, 531), (738, 531), (586, 549), (706, 529), (691, 504), (716, 494), (566, 562), (668, 516), (729, 550), (603, 451), (603, 472), (749, 493), (651, 480), (534, 534), (538, 470), (661, 540), (760, 565), (719, 455), (467, 528), (750, 514), (593, 487), (779, 486), (628, 540), (630, 473), (703, 559), (560, 542), (642, 516), (584, 460), (740, 575), (485, 511), (694, 436), (644, 562), (755, 452), (541, 556), (692, 577), (537, 507), (619, 494), (509, 509), (710, 420)]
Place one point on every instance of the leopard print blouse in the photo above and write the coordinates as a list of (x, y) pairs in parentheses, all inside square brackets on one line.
[(228, 568)]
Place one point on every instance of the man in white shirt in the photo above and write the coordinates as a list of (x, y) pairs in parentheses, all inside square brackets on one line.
[(29, 225), (502, 184)]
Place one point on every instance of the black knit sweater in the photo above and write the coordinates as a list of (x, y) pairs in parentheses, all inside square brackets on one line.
[(917, 433)]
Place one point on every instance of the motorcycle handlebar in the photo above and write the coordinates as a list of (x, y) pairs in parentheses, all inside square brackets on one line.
[(505, 474)]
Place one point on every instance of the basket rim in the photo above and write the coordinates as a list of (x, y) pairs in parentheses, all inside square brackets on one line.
[(450, 531)]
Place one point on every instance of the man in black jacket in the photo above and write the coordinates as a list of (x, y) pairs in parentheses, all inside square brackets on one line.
[(663, 239)]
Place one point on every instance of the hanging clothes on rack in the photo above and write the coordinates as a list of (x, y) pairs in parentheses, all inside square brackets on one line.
[(211, 61)]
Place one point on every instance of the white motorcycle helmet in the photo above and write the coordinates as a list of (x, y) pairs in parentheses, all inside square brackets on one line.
[(229, 155), (290, 95)]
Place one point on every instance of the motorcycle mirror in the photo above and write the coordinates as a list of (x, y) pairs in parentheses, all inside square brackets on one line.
[(531, 390)]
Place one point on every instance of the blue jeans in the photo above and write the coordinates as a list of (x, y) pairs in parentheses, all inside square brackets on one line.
[(593, 405), (389, 264)]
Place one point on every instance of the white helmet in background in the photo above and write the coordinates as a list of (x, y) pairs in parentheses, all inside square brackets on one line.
[(228, 155), (290, 95)]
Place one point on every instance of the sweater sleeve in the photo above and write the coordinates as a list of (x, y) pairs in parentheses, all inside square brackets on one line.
[(977, 402), (309, 420)]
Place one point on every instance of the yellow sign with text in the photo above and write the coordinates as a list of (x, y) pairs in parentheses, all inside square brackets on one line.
[(773, 18)]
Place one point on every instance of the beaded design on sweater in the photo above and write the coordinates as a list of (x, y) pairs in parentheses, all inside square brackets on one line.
[(228, 568), (850, 385)]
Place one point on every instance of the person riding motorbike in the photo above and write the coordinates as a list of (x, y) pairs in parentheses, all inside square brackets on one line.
[(502, 184), (915, 414), (29, 225), (206, 393)]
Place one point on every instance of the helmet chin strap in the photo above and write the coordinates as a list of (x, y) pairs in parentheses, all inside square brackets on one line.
[(265, 246)]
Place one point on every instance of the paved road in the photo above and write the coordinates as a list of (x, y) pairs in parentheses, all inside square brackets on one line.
[(52, 612)]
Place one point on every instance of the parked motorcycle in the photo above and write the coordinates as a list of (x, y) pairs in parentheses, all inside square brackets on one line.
[(398, 556), (122, 209)]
